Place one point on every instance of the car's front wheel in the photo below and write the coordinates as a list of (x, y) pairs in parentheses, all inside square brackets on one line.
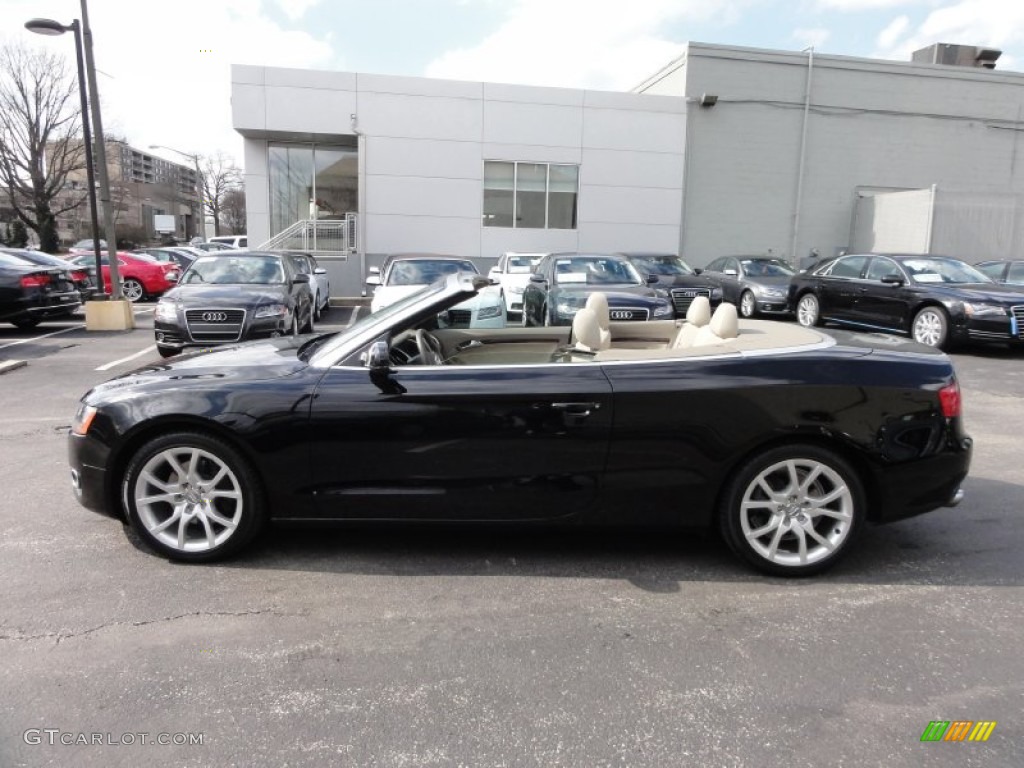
[(808, 311), (793, 510), (316, 307), (191, 496), (931, 327), (133, 290), (748, 304)]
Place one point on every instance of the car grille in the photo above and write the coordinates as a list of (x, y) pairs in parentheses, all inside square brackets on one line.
[(682, 298), (1018, 315), (619, 314), (459, 318), (213, 325)]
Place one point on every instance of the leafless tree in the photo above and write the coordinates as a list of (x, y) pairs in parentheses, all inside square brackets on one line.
[(40, 138), (219, 175), (233, 211)]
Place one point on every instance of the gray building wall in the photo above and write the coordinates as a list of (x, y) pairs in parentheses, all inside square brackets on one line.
[(871, 124)]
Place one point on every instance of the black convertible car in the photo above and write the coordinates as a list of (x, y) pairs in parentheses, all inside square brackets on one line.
[(935, 299), (233, 295), (786, 439)]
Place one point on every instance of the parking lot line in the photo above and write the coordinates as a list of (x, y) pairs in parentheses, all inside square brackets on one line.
[(140, 353), (42, 336), (352, 317)]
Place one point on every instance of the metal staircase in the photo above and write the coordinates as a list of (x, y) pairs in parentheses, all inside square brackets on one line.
[(335, 236)]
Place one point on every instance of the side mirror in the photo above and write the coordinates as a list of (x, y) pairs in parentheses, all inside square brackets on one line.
[(372, 279), (494, 275), (319, 271), (893, 279), (651, 279), (378, 356), (698, 271), (300, 278), (537, 278), (374, 270)]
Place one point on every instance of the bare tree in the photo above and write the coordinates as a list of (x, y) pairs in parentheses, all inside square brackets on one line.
[(40, 138), (233, 211), (219, 175)]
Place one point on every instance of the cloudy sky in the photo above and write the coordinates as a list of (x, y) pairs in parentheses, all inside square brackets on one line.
[(165, 76)]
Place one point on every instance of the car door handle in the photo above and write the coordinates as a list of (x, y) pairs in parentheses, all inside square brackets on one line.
[(576, 409)]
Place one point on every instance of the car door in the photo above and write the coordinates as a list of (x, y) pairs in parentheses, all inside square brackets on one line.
[(460, 442), (883, 305), (839, 288)]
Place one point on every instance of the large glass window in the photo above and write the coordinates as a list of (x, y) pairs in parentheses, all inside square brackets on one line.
[(530, 195), (308, 181)]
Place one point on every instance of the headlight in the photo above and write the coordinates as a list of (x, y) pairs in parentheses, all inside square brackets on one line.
[(485, 313), (716, 294), (166, 311), (83, 419), (568, 307), (663, 310), (983, 310), (271, 310), (774, 293)]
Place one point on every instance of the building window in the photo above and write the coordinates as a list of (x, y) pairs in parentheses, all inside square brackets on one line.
[(530, 195)]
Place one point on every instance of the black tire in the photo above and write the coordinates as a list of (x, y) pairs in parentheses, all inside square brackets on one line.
[(525, 318), (931, 327), (25, 324), (167, 351), (133, 290), (748, 304), (316, 307), (181, 519), (808, 310), (787, 516), (310, 326)]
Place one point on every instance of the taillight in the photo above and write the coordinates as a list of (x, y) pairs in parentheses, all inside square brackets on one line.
[(949, 397), (35, 281), (79, 274)]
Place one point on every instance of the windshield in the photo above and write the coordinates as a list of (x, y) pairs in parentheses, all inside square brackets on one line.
[(932, 270), (521, 265), (767, 268), (595, 270), (661, 265), (223, 270), (425, 271)]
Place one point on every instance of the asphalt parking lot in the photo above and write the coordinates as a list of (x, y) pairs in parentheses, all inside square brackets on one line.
[(394, 647)]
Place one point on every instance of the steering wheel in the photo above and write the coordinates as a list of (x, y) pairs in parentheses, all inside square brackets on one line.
[(431, 352)]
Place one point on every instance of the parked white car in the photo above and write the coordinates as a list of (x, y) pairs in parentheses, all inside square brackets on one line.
[(405, 273), (512, 273), (235, 241)]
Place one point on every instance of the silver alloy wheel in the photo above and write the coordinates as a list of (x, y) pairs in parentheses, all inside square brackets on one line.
[(796, 512), (188, 499), (747, 304), (930, 327), (132, 290), (807, 310)]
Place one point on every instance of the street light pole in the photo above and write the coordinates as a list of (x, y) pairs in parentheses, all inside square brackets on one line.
[(199, 183)]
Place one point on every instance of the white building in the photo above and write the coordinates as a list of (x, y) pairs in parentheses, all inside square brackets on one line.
[(727, 150)]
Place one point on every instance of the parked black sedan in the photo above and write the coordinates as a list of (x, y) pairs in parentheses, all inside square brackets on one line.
[(755, 284), (227, 297), (1007, 271), (397, 419), (560, 284), (937, 300), (677, 278), (31, 293), (83, 278)]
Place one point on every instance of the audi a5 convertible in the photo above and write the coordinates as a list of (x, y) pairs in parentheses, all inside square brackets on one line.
[(786, 439)]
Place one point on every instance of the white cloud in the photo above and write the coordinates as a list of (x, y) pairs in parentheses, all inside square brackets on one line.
[(853, 6), (567, 43), (812, 37), (992, 23), (295, 9), (888, 36), (167, 67)]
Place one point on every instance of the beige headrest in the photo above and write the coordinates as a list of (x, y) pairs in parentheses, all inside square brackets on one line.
[(586, 330), (699, 312), (725, 322), (598, 303)]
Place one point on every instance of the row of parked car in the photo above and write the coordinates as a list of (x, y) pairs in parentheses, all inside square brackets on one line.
[(936, 300)]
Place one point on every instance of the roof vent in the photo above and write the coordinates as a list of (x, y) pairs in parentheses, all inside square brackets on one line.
[(957, 55)]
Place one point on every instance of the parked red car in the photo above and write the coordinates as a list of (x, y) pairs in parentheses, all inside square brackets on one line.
[(142, 276)]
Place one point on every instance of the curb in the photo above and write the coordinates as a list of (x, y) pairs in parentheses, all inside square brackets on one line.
[(11, 365)]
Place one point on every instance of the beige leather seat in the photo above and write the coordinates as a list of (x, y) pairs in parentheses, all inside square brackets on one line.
[(586, 329), (597, 302), (697, 316), (724, 325)]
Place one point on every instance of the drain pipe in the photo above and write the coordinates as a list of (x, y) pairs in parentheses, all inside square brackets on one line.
[(803, 153), (361, 148)]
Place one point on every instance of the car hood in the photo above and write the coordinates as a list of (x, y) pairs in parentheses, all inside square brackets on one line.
[(1001, 294), (245, 362), (685, 281), (774, 281), (387, 295), (613, 292), (227, 295)]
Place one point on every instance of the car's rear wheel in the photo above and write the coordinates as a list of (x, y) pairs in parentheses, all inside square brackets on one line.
[(133, 290), (931, 327), (808, 311), (793, 510), (193, 497), (748, 304)]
